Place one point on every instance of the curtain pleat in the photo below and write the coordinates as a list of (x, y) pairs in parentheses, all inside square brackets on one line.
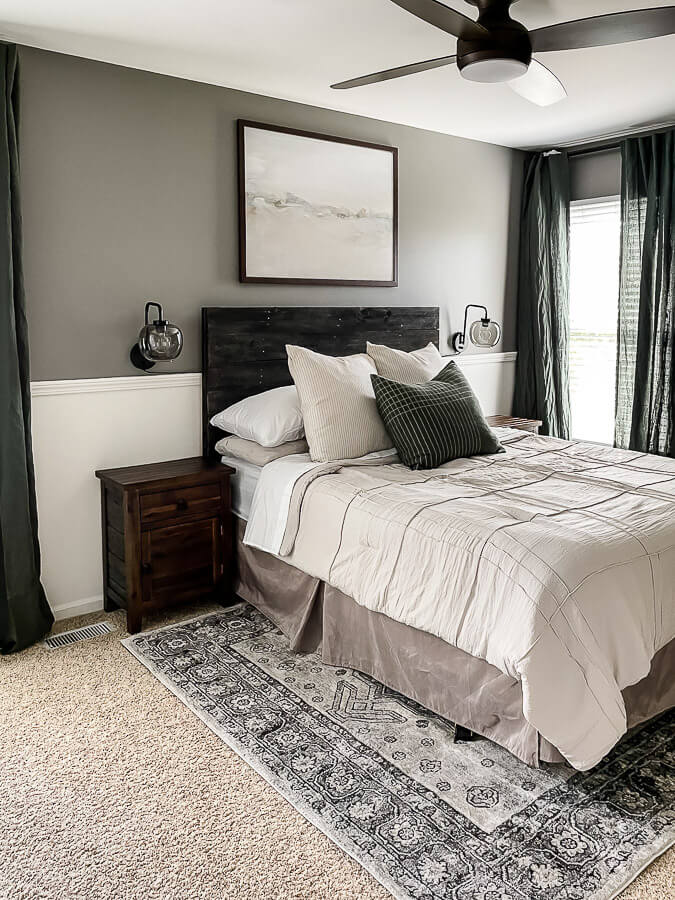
[(25, 615), (542, 369), (646, 332)]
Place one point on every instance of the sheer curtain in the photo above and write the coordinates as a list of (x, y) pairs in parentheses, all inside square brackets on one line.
[(542, 369), (24, 613), (645, 375)]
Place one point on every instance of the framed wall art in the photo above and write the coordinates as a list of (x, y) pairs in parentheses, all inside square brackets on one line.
[(316, 209)]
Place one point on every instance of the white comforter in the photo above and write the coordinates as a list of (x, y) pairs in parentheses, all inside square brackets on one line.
[(555, 562)]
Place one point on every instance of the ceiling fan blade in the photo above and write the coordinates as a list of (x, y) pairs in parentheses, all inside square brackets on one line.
[(539, 85), (601, 31), (444, 17), (398, 72)]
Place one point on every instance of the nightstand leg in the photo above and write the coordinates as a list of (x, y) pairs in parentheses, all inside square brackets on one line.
[(226, 596), (132, 550), (134, 621)]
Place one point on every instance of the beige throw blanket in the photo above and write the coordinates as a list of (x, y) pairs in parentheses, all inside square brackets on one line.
[(554, 562)]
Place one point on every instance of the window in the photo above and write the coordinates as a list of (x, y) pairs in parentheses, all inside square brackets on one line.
[(594, 307)]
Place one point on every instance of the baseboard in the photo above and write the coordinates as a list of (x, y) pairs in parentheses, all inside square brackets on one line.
[(79, 608)]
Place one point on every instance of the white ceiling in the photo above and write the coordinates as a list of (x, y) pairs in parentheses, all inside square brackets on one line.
[(294, 49)]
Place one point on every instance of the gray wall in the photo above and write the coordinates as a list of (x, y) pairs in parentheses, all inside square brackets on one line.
[(129, 193), (595, 175)]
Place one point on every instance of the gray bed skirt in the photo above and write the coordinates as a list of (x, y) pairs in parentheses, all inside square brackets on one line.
[(462, 688)]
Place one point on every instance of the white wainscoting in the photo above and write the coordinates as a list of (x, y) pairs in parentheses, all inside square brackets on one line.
[(83, 425), (492, 376), (99, 423)]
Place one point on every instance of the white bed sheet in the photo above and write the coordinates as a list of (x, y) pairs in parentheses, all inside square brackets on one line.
[(268, 514), (243, 484)]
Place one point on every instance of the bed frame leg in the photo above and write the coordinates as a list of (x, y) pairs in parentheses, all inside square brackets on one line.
[(464, 734)]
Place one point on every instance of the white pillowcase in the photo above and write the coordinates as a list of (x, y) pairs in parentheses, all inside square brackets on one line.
[(270, 419)]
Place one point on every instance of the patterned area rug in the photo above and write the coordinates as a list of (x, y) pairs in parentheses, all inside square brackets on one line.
[(382, 777)]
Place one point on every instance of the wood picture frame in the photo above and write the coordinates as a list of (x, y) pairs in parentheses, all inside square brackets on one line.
[(338, 229)]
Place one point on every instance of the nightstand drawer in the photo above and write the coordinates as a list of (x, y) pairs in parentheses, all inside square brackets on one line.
[(201, 499)]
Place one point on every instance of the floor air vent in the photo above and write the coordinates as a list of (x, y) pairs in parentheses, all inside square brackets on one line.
[(78, 634)]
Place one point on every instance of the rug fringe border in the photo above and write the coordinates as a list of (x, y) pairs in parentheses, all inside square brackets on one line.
[(631, 878)]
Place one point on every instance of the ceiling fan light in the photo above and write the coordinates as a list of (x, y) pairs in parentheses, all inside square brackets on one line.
[(495, 70)]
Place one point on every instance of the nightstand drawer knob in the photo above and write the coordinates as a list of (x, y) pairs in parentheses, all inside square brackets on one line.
[(146, 568), (181, 503)]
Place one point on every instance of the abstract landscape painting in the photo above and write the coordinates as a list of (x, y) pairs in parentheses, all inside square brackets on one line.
[(316, 209)]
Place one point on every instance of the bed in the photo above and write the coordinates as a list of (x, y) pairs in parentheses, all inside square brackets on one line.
[(603, 659)]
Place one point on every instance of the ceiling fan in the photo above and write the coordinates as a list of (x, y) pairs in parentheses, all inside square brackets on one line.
[(497, 48)]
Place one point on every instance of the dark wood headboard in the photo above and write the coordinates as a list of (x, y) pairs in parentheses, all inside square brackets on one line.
[(244, 347)]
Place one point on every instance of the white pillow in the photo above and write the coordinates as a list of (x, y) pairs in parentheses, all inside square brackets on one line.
[(270, 419), (338, 404), (417, 367)]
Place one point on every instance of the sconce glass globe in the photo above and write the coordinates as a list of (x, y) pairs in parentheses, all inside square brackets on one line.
[(158, 341), (485, 333)]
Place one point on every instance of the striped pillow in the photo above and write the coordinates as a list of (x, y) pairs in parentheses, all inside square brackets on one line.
[(435, 422), (338, 405)]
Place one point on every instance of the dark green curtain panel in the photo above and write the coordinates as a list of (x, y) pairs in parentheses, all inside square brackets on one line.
[(542, 369), (645, 398), (24, 612)]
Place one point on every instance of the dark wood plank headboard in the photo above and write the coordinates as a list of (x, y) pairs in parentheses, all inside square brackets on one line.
[(244, 347)]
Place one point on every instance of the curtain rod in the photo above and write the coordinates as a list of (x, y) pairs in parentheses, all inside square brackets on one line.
[(591, 151), (575, 154), (611, 141)]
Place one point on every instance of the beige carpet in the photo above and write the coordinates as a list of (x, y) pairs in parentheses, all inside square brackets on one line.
[(111, 788)]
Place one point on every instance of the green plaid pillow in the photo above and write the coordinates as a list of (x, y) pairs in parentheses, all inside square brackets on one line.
[(434, 422)]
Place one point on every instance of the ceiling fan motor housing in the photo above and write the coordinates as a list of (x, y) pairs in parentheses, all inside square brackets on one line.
[(504, 53)]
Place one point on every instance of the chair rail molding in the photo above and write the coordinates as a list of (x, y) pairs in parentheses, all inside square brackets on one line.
[(483, 359), (104, 385)]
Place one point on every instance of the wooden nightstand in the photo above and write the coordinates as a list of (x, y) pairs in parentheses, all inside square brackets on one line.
[(167, 535), (532, 425)]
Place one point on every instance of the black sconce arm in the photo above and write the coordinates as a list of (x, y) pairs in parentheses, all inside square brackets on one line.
[(147, 311)]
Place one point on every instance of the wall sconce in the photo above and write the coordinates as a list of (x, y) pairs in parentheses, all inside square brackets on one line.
[(158, 341), (483, 332)]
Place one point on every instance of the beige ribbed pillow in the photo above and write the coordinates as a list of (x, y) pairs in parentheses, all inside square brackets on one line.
[(417, 367), (255, 453), (338, 404)]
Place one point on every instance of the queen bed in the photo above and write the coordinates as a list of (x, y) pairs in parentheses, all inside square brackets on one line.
[(527, 596)]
